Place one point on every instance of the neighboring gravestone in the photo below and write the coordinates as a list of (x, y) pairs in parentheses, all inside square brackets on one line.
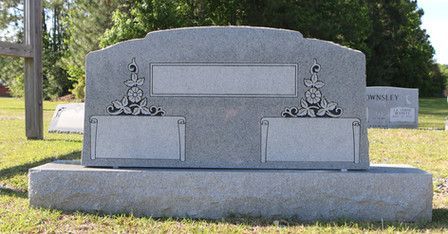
[(392, 107), (196, 99), (68, 118), (231, 97)]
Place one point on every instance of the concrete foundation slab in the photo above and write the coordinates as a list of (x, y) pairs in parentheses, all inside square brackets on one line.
[(385, 192)]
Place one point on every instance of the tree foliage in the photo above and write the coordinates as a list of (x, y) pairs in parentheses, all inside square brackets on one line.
[(400, 52), (397, 50), (342, 21), (11, 15), (55, 82), (86, 21), (11, 74), (11, 69)]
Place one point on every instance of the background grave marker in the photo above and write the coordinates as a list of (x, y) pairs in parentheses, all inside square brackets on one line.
[(392, 107)]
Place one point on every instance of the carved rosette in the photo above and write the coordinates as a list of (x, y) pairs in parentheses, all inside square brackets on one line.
[(134, 103), (314, 104)]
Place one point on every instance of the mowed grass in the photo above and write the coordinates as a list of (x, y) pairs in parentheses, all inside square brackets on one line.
[(427, 149), (433, 112)]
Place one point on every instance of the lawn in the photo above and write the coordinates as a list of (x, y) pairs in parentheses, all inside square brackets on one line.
[(424, 148), (433, 112)]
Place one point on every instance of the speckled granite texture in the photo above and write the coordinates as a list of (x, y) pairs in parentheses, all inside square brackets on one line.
[(224, 81), (384, 192)]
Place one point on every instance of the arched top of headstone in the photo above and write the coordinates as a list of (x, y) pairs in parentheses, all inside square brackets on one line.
[(233, 42), (227, 29), (392, 88)]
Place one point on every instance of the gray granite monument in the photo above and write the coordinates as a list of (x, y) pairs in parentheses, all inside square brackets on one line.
[(392, 107), (68, 118), (232, 97), (194, 104)]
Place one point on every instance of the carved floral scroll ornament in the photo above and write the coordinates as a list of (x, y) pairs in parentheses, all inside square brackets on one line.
[(314, 104), (133, 103)]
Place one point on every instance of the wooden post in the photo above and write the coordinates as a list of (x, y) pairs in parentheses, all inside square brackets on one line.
[(16, 50), (33, 70), (32, 52)]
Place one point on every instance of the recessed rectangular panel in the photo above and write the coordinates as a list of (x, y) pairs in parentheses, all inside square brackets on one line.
[(402, 114), (310, 139), (138, 137), (271, 80)]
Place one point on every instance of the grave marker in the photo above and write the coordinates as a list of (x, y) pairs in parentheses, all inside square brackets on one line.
[(68, 118), (231, 97), (392, 107), (201, 100)]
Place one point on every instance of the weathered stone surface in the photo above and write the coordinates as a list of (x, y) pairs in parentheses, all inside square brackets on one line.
[(398, 193), (68, 118), (392, 107), (233, 86)]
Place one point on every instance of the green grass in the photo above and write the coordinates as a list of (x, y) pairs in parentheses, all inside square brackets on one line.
[(433, 112), (427, 149)]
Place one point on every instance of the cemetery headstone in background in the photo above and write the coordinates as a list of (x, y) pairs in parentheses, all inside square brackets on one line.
[(68, 118), (392, 107), (200, 100)]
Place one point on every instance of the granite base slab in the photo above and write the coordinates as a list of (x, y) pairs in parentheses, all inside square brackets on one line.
[(384, 192)]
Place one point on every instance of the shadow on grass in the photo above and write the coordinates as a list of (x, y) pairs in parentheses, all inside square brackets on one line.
[(440, 218), (9, 172), (13, 192)]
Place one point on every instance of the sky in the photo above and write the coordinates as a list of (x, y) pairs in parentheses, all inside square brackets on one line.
[(435, 21)]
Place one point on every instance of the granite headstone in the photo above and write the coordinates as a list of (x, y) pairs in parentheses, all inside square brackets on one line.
[(226, 97), (201, 100), (392, 107), (68, 118)]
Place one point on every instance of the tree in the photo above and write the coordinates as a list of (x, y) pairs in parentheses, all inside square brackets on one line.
[(343, 21), (11, 68), (11, 74), (86, 21), (136, 18), (55, 82), (398, 51), (401, 54), (11, 16)]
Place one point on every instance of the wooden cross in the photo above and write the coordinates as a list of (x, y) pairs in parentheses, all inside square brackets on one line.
[(32, 52)]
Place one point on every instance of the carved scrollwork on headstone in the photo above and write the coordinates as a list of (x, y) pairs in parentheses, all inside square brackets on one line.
[(134, 103), (314, 104)]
